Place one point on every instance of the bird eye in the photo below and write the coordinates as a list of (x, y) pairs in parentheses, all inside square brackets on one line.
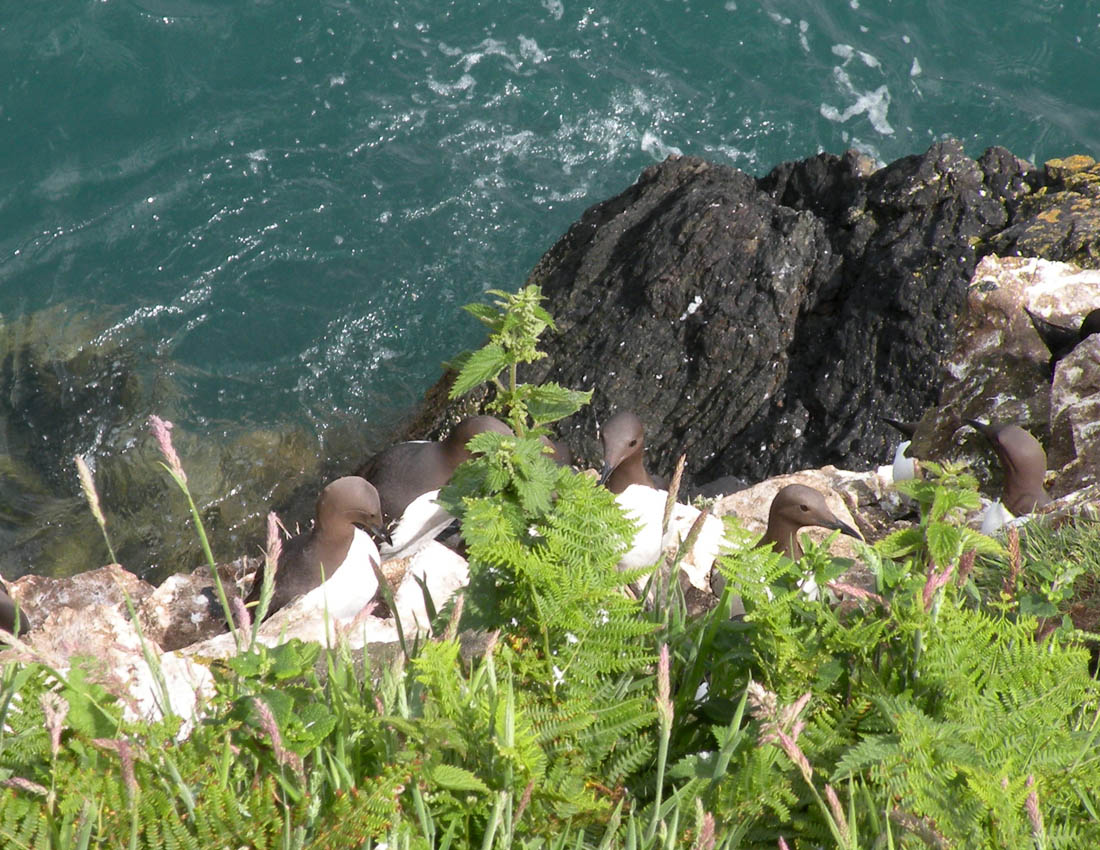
[(804, 508), (633, 443)]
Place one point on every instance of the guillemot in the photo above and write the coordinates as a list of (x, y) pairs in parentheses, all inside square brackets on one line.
[(643, 500), (623, 438), (903, 467), (408, 477), (793, 508), (1024, 463), (333, 564)]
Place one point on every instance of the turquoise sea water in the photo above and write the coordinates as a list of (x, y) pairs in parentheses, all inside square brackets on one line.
[(276, 208)]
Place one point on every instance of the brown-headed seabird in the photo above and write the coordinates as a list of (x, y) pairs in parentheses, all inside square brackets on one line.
[(793, 508), (408, 477), (334, 561), (623, 438), (1024, 463), (625, 475)]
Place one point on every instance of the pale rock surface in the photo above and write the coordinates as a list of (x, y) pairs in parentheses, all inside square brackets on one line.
[(106, 586), (185, 608), (443, 570), (1074, 446), (998, 371), (108, 639)]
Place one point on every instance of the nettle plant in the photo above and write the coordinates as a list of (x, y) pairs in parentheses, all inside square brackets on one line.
[(542, 541)]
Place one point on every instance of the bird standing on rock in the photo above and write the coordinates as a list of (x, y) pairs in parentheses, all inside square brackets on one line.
[(793, 508), (1024, 463), (333, 563), (408, 477), (643, 500)]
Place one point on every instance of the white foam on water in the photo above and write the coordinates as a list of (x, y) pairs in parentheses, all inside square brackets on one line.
[(463, 83), (555, 8), (873, 103), (728, 151), (915, 69), (652, 145), (529, 50)]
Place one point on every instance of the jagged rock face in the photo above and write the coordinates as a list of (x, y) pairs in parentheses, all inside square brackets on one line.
[(1060, 221), (697, 279), (1074, 446), (997, 371), (761, 325), (114, 656), (185, 607)]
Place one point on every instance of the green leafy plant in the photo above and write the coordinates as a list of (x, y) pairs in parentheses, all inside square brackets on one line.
[(924, 706), (515, 322)]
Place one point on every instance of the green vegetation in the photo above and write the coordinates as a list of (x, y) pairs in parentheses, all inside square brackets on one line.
[(929, 706)]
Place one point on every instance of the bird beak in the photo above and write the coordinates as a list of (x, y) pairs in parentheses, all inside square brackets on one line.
[(983, 429), (605, 473), (905, 428), (382, 534), (844, 528)]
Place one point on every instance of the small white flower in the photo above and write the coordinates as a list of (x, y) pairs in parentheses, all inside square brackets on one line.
[(559, 676), (603, 618), (571, 638)]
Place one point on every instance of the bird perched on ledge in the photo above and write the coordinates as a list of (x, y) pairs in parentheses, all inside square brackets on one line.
[(623, 438), (335, 559), (1024, 463), (793, 508), (408, 477)]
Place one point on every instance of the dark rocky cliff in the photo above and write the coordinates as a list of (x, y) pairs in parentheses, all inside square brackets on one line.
[(762, 325)]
